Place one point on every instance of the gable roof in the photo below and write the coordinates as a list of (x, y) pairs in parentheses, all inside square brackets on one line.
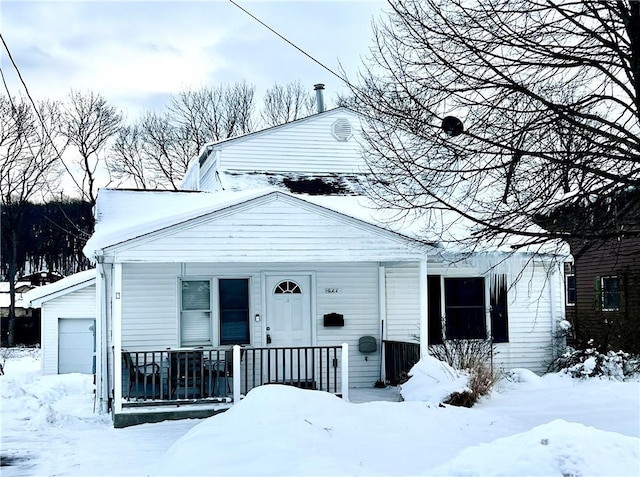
[(285, 147), (161, 210), (206, 150), (77, 281)]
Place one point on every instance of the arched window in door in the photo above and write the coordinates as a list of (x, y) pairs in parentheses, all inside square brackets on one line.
[(287, 286)]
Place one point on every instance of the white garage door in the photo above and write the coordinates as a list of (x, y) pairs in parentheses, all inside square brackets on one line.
[(75, 345)]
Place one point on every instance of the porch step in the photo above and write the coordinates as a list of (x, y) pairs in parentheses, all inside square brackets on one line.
[(140, 415)]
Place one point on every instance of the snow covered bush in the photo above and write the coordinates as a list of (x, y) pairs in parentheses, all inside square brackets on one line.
[(474, 357), (434, 381), (590, 363)]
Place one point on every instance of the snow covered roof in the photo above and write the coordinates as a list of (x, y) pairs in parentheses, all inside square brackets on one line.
[(77, 281), (122, 215)]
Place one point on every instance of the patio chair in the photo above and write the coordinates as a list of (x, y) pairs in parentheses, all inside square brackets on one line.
[(225, 373), (186, 374), (145, 377)]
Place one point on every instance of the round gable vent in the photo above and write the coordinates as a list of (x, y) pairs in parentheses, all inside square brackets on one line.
[(342, 130)]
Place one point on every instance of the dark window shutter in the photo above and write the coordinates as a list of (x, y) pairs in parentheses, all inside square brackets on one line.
[(434, 309), (499, 312), (597, 299)]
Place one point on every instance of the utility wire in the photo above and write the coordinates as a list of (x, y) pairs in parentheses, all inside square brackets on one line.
[(44, 128), (341, 78), (37, 111)]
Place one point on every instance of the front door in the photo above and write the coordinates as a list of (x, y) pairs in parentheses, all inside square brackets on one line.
[(288, 325), (289, 310)]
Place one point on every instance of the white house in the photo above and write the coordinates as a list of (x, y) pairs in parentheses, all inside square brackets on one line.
[(68, 313), (275, 249)]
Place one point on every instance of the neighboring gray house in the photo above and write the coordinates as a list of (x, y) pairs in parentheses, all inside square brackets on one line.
[(276, 249), (68, 313)]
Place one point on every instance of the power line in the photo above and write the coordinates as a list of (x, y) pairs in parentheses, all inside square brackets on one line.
[(341, 78), (37, 111)]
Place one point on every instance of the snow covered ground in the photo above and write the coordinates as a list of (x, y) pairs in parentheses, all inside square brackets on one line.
[(551, 425)]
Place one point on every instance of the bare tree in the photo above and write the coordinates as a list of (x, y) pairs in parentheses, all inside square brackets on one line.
[(29, 166), (548, 93), (283, 104), (88, 123), (155, 152)]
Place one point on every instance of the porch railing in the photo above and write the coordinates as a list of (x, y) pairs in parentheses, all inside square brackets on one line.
[(308, 367), (207, 375), (399, 358)]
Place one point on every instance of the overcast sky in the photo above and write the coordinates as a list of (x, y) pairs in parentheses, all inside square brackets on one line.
[(138, 53)]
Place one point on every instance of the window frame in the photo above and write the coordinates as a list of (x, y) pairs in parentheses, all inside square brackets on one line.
[(219, 310), (193, 343), (604, 292), (567, 288), (482, 310)]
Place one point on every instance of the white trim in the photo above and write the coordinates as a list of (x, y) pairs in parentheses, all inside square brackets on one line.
[(38, 301), (228, 209), (382, 311), (602, 308), (344, 384), (424, 308), (565, 289), (116, 317), (213, 298)]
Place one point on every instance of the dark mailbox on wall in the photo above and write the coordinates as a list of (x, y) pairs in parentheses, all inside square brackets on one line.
[(333, 319)]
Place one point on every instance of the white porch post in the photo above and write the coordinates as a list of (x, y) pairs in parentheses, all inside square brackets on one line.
[(424, 308), (345, 372), (236, 373), (382, 307), (101, 339), (116, 314)]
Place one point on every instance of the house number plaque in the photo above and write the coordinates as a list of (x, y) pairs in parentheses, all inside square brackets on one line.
[(332, 290)]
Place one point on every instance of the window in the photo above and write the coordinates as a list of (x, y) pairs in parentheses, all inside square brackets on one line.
[(570, 289), (465, 308), (195, 313), (287, 287), (499, 310), (234, 310), (610, 293)]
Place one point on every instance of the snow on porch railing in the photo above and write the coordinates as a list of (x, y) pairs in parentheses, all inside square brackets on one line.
[(323, 368)]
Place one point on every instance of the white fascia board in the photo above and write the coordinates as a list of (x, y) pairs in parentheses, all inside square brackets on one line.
[(419, 247), (38, 301)]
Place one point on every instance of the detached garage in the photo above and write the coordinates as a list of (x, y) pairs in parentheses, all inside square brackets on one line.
[(68, 311)]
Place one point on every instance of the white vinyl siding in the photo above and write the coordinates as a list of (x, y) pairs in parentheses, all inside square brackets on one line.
[(80, 304), (145, 323), (150, 306), (272, 231), (307, 145), (357, 300), (403, 303)]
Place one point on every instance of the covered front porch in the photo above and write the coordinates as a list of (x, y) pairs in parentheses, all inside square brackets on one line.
[(199, 382)]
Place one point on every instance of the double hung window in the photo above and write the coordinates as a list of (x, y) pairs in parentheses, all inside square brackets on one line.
[(195, 313)]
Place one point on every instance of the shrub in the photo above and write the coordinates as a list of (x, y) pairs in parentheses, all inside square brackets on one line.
[(475, 358), (591, 363)]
